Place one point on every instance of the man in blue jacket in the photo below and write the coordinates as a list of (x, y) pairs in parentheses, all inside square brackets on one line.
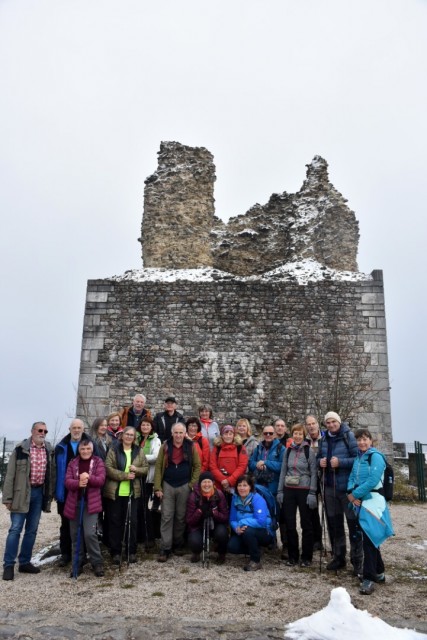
[(336, 454), (65, 451), (265, 463)]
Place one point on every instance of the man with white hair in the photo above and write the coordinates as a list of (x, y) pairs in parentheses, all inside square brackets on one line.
[(177, 471), (336, 453), (132, 416), (65, 451)]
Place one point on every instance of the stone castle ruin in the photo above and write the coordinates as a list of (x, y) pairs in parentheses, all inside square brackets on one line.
[(266, 315)]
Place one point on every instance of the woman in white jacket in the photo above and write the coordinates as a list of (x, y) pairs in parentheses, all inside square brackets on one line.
[(150, 445)]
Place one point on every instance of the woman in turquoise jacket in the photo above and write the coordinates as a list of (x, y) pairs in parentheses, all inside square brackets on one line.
[(364, 493), (250, 523)]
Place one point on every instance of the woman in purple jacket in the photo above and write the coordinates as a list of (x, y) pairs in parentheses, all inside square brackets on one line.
[(84, 480), (207, 507)]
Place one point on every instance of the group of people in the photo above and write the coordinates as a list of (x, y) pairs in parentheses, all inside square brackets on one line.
[(204, 483)]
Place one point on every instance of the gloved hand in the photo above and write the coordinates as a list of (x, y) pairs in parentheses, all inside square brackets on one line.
[(206, 508), (312, 501), (279, 498)]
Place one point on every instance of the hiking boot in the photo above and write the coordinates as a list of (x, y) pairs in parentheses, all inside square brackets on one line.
[(380, 577), (63, 561), (163, 556), (8, 572), (28, 568), (367, 587), (305, 563), (116, 559), (252, 566), (290, 562), (195, 557), (179, 551), (221, 558), (99, 571), (335, 564), (132, 558)]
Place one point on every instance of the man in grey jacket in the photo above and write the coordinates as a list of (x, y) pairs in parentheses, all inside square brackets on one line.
[(27, 491)]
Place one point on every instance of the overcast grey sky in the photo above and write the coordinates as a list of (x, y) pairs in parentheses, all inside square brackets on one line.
[(89, 88)]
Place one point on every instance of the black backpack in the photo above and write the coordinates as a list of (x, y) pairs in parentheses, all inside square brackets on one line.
[(387, 489)]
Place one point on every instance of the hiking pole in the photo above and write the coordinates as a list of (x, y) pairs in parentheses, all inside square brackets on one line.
[(322, 497), (129, 516), (208, 522), (79, 535), (126, 529), (335, 520), (204, 543), (145, 510)]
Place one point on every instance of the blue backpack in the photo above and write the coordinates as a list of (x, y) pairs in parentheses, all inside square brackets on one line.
[(271, 504)]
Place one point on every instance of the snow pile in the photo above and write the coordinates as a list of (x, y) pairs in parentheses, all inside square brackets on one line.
[(309, 270), (301, 271), (341, 621)]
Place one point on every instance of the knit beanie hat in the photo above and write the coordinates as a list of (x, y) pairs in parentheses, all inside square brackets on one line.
[(331, 415), (205, 475), (227, 427)]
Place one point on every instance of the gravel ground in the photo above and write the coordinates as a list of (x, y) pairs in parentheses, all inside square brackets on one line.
[(179, 589)]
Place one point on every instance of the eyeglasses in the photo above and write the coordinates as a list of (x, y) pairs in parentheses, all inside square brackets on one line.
[(268, 433), (41, 430)]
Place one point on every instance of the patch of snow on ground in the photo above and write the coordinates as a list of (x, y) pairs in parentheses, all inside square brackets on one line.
[(301, 271), (339, 620), (421, 547), (39, 561)]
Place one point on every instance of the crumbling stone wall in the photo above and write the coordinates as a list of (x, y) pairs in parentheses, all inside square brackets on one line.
[(179, 209), (179, 212), (313, 223)]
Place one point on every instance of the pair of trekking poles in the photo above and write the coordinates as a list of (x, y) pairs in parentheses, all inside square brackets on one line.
[(206, 543), (325, 522), (126, 532)]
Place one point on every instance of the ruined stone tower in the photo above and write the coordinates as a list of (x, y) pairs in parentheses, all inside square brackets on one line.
[(264, 316), (179, 209)]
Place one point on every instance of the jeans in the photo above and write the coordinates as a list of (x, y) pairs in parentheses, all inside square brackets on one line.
[(31, 520)]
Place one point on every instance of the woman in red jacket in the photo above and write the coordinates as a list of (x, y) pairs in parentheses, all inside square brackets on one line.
[(84, 479), (194, 433), (228, 460)]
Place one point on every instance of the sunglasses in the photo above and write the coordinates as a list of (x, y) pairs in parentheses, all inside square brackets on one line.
[(41, 430), (268, 433)]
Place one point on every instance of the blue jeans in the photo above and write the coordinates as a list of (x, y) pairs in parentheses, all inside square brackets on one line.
[(31, 520)]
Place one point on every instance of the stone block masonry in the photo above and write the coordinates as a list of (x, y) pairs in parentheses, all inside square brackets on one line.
[(258, 349)]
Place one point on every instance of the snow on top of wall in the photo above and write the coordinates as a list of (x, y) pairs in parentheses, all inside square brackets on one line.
[(301, 271)]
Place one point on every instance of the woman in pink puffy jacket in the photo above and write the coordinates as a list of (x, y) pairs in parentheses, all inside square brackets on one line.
[(84, 480)]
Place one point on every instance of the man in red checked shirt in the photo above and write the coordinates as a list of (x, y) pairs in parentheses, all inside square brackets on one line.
[(27, 491)]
